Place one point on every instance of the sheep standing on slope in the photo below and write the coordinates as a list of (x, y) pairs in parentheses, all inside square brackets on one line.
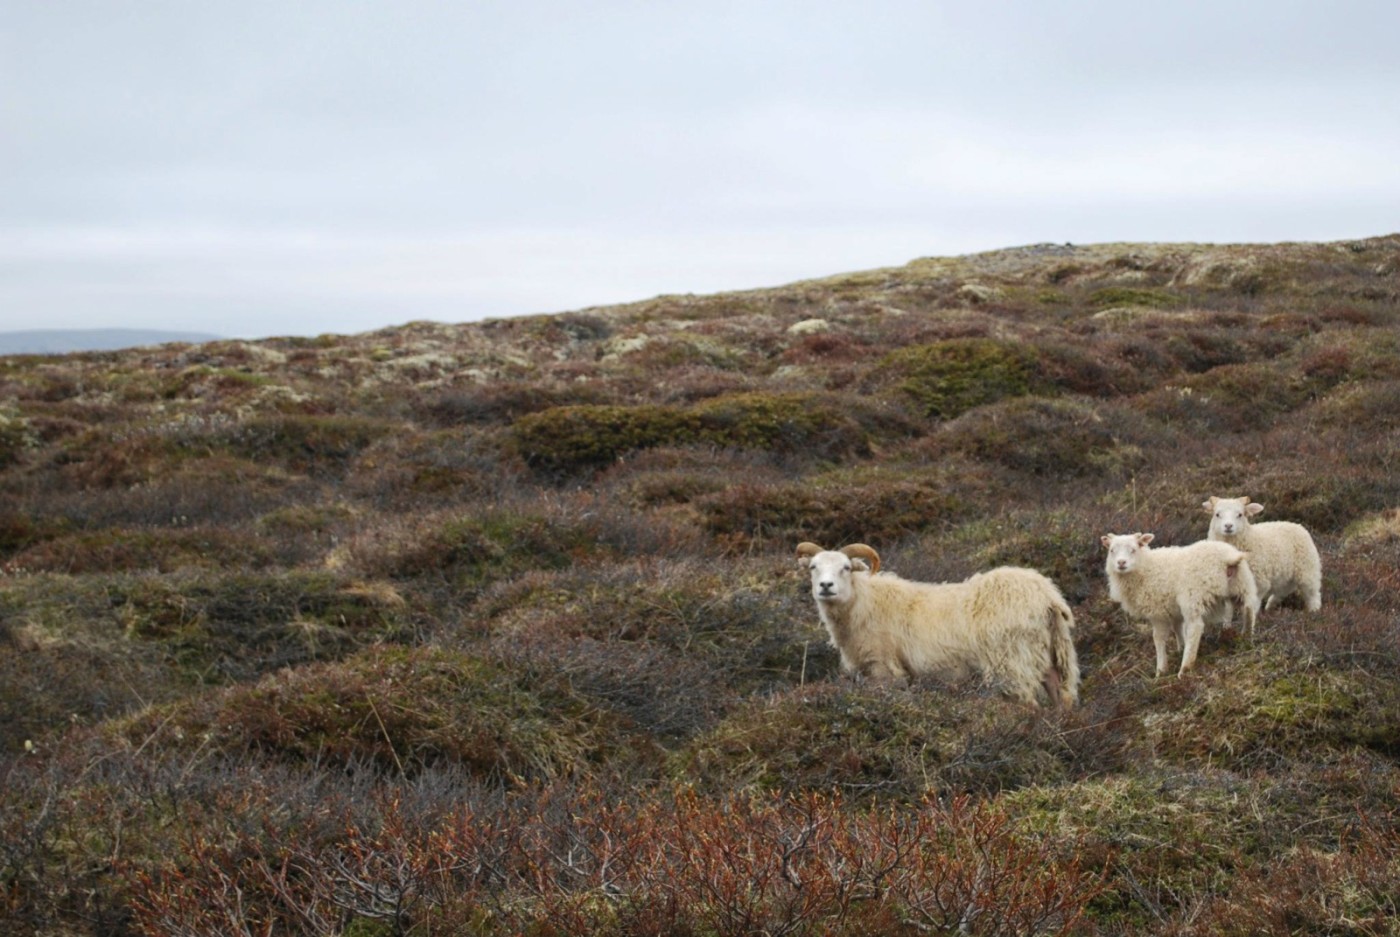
[(1282, 554), (1175, 588), (1009, 625)]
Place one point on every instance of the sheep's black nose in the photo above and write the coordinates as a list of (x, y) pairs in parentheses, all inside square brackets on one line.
[(826, 586)]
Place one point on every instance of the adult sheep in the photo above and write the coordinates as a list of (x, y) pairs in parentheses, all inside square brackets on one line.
[(1174, 588), (1011, 626), (1282, 554)]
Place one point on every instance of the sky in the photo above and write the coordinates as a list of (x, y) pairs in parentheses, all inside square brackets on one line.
[(297, 167)]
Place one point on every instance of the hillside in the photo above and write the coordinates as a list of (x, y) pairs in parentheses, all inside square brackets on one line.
[(495, 628)]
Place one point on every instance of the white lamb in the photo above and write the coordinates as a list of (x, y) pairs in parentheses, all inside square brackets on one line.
[(1175, 588), (1282, 554), (1011, 626)]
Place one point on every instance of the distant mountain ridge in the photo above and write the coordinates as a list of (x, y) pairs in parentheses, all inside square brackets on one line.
[(62, 341)]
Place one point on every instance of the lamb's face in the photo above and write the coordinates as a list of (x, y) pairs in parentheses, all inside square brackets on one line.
[(831, 575), (1230, 516), (1124, 551)]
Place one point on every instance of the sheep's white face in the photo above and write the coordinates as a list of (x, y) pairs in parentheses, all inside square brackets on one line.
[(1230, 516), (831, 575), (1124, 551)]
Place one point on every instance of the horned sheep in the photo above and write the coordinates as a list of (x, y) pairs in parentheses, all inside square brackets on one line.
[(1175, 588), (1282, 554), (1011, 626)]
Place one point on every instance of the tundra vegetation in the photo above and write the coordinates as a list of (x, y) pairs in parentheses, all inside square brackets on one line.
[(494, 628)]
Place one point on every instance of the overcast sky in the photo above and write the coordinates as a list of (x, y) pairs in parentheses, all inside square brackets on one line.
[(294, 167)]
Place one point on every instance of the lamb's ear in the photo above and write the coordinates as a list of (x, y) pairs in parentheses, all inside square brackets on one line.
[(1106, 539), (1145, 539), (1253, 507), (1210, 505)]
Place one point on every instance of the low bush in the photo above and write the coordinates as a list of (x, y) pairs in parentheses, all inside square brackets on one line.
[(1055, 438), (947, 378), (112, 550), (836, 508), (233, 626), (569, 439), (399, 710)]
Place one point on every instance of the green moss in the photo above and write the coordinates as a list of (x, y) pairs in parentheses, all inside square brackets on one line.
[(947, 378)]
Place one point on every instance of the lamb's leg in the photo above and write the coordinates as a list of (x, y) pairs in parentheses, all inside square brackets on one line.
[(1161, 631), (1193, 628)]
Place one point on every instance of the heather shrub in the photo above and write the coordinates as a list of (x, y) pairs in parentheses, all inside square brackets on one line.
[(399, 710), (1134, 296), (234, 626), (412, 468), (836, 508), (112, 550), (570, 439), (1057, 438), (748, 629), (501, 401), (1262, 709), (947, 378), (16, 437), (467, 551), (881, 744), (313, 444)]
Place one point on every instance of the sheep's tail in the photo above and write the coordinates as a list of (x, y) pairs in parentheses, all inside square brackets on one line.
[(1062, 679)]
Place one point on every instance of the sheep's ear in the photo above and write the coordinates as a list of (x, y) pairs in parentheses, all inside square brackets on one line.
[(1253, 508), (1106, 539), (805, 551), (1145, 539), (860, 566), (1210, 505)]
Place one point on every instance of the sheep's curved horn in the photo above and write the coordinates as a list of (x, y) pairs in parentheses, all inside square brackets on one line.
[(865, 552), (808, 549)]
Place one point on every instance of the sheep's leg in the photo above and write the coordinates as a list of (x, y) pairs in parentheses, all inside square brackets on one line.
[(1053, 687), (1161, 631), (1312, 598), (1192, 643)]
